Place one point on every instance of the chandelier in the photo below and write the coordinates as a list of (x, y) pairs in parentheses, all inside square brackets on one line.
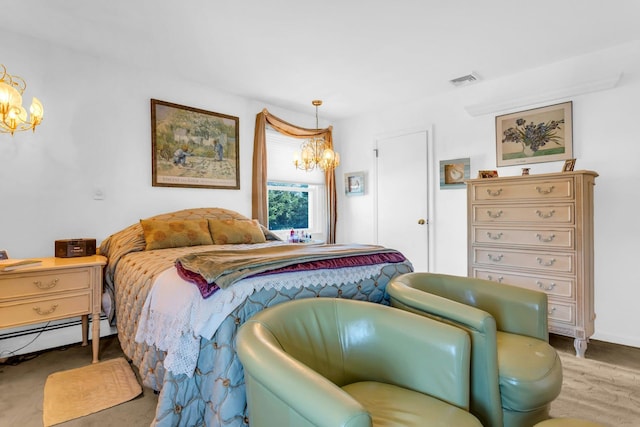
[(13, 115), (315, 152)]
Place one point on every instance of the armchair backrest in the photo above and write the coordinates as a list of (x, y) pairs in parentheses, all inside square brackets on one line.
[(328, 343), (482, 308), (515, 310)]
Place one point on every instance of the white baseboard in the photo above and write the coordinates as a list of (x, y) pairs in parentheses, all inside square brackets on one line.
[(32, 338)]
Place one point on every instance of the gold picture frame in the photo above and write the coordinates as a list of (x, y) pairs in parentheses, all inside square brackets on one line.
[(487, 174), (569, 165), (534, 136), (193, 148)]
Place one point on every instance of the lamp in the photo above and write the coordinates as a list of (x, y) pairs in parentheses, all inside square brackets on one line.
[(315, 152), (13, 114)]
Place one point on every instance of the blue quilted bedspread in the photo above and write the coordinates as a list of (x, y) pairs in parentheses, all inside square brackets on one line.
[(215, 395)]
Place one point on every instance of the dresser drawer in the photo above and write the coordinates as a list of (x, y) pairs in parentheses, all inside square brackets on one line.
[(552, 286), (542, 238), (565, 313), (541, 261), (561, 188), (531, 214), (44, 309), (48, 282)]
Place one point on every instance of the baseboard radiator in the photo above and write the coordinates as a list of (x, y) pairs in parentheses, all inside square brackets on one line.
[(58, 333)]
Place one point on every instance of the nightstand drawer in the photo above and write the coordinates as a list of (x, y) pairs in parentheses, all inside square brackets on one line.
[(24, 285), (44, 309)]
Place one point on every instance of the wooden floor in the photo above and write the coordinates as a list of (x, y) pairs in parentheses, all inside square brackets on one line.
[(602, 351)]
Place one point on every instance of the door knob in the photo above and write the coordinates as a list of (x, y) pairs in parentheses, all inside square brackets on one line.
[(421, 221)]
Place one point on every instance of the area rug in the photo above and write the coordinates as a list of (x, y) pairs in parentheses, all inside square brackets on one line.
[(82, 391), (599, 392)]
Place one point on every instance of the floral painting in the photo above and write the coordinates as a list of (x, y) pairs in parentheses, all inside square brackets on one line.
[(535, 136)]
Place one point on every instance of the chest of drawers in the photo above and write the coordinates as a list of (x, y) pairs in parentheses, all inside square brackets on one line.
[(537, 232), (57, 289)]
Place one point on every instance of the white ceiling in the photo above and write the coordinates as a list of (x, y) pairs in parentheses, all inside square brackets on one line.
[(356, 55)]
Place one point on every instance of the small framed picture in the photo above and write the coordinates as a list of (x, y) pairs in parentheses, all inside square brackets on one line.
[(569, 165), (487, 174), (454, 172), (354, 184)]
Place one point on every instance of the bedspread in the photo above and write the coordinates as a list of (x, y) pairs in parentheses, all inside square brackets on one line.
[(214, 394)]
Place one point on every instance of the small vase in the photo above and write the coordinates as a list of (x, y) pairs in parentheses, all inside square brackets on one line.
[(527, 151)]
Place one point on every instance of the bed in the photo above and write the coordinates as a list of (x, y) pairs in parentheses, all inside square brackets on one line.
[(178, 327)]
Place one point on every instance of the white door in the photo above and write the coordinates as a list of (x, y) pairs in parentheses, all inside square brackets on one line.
[(402, 195)]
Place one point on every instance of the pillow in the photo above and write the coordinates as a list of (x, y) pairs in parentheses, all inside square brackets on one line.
[(160, 234), (233, 231), (268, 234)]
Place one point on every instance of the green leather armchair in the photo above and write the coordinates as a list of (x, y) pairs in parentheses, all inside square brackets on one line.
[(515, 373), (339, 362)]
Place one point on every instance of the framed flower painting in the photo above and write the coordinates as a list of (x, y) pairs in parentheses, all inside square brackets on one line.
[(535, 136)]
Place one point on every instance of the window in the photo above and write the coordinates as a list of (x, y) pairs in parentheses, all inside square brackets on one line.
[(295, 199)]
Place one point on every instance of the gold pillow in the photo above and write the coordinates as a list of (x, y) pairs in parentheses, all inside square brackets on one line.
[(160, 234), (233, 231)]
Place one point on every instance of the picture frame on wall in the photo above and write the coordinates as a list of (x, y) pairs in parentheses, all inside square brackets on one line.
[(454, 172), (354, 183), (535, 136), (193, 148)]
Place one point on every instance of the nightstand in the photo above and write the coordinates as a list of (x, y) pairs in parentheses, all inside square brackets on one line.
[(57, 289)]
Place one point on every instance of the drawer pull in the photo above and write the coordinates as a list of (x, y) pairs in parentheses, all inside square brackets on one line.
[(494, 193), (495, 259), (545, 216), (494, 237), (499, 279), (546, 288), (550, 312), (546, 240), (44, 313), (542, 191), (546, 264), (495, 215), (41, 285)]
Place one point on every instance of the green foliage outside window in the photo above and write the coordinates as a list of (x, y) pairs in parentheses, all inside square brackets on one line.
[(288, 209)]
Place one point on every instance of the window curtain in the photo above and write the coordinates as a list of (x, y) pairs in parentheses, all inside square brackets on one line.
[(259, 193)]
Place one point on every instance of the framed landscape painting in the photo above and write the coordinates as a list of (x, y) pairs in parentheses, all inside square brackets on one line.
[(193, 148), (535, 136)]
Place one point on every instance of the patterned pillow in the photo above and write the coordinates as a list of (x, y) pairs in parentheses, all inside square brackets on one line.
[(160, 234), (233, 231)]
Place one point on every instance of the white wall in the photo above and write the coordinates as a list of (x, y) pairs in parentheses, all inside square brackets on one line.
[(96, 135), (606, 140)]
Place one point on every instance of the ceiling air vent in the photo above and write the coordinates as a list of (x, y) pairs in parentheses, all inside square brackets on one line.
[(465, 80)]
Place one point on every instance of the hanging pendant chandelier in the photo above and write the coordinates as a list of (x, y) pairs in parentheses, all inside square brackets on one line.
[(315, 152), (13, 116)]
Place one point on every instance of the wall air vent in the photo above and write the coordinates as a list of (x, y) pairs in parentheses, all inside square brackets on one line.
[(465, 80)]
